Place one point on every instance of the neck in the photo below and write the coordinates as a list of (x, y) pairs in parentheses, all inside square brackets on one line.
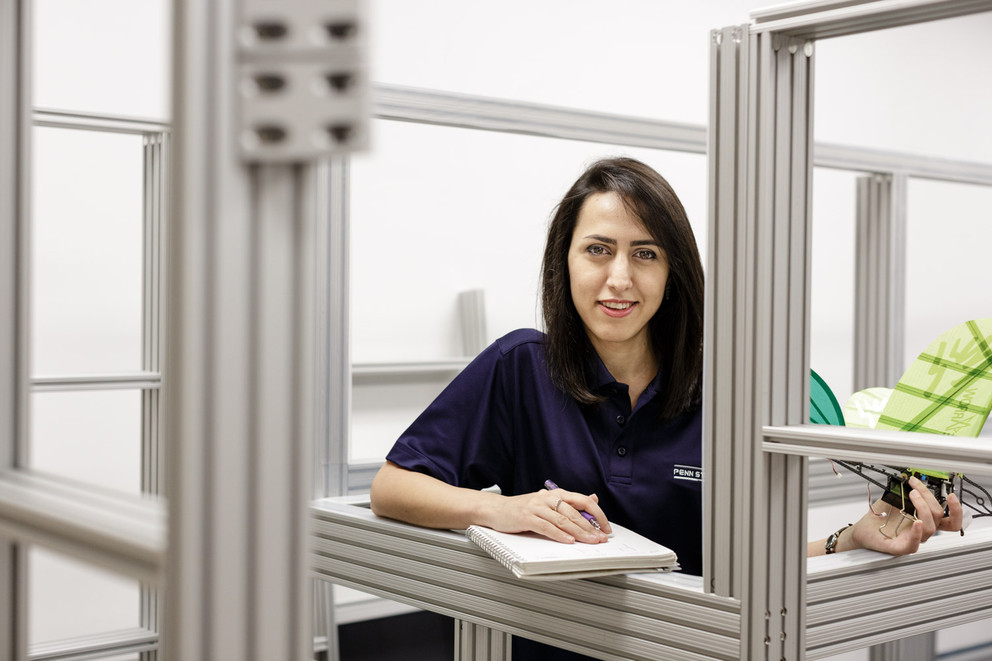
[(635, 366)]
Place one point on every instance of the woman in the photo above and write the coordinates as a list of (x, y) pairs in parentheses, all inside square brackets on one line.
[(606, 403)]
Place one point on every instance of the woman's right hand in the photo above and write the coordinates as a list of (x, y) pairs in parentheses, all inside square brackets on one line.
[(420, 499), (555, 514)]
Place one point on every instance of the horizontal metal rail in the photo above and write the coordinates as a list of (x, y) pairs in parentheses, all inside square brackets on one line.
[(837, 18), (122, 532), (860, 159), (98, 122), (129, 381), (861, 598), (631, 616), (103, 645), (453, 365), (912, 449), (447, 109)]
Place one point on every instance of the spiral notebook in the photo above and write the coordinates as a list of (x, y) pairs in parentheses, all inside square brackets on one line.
[(532, 556)]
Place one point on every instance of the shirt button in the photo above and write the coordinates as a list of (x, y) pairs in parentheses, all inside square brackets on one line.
[(621, 451), (621, 419)]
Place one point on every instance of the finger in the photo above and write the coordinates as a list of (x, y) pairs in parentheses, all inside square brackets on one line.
[(906, 541), (554, 508), (924, 514), (936, 508), (909, 539), (955, 516), (547, 528), (551, 518), (576, 504), (574, 523), (592, 507)]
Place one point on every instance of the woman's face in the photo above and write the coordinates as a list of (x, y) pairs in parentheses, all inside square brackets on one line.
[(617, 275)]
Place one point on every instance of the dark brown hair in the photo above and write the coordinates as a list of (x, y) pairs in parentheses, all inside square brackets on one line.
[(676, 330)]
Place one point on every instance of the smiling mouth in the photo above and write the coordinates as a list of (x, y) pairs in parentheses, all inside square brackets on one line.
[(617, 308)]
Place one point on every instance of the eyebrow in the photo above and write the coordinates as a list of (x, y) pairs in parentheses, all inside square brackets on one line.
[(613, 242)]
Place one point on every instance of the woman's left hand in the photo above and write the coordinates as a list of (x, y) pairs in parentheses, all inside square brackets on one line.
[(886, 529)]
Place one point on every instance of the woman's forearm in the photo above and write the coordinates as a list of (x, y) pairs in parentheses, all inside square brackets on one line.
[(416, 498), (405, 495)]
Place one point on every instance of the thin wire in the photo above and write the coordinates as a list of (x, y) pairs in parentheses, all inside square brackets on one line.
[(981, 505), (967, 487)]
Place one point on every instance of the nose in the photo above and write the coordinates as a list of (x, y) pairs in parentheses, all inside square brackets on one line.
[(618, 279)]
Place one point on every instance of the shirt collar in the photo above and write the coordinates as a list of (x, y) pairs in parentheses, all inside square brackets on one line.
[(601, 380)]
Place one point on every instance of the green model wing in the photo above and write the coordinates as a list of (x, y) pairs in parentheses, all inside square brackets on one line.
[(948, 388), (864, 407), (823, 406)]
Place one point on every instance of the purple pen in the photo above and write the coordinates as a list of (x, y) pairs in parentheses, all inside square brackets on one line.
[(551, 486)]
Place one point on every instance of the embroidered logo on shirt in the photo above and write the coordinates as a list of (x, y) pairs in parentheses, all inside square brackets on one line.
[(693, 473)]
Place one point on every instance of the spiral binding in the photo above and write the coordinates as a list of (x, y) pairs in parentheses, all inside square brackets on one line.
[(494, 548)]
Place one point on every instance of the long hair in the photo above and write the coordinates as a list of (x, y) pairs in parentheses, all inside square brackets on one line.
[(676, 330)]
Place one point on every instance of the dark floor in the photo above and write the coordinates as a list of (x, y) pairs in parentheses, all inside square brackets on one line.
[(419, 636)]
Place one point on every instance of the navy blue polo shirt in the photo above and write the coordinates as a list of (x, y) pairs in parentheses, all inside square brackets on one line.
[(502, 421)]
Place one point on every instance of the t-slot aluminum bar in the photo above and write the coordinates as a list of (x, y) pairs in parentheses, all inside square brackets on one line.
[(860, 159), (447, 109), (729, 355), (472, 313), (333, 416), (79, 121), (971, 456), (15, 166), (156, 168), (118, 531), (155, 195), (334, 379), (757, 334), (821, 19), (653, 617), (914, 648), (880, 265), (240, 363), (862, 597), (474, 642), (112, 644), (76, 382)]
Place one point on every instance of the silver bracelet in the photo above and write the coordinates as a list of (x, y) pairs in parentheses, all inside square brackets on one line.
[(831, 544)]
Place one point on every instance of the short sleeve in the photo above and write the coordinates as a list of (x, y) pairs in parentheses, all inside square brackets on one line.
[(462, 437)]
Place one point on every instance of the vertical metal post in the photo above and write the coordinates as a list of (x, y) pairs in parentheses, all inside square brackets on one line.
[(474, 642), (333, 330), (262, 91), (757, 337), (472, 312), (156, 159), (728, 344), (15, 166), (880, 281), (915, 648), (334, 362), (239, 396)]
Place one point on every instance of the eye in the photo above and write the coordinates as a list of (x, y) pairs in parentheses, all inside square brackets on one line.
[(646, 254), (597, 249)]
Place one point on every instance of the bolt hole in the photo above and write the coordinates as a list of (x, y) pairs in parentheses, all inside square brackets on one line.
[(341, 29), (270, 134), (340, 81), (270, 30), (340, 132), (270, 82)]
